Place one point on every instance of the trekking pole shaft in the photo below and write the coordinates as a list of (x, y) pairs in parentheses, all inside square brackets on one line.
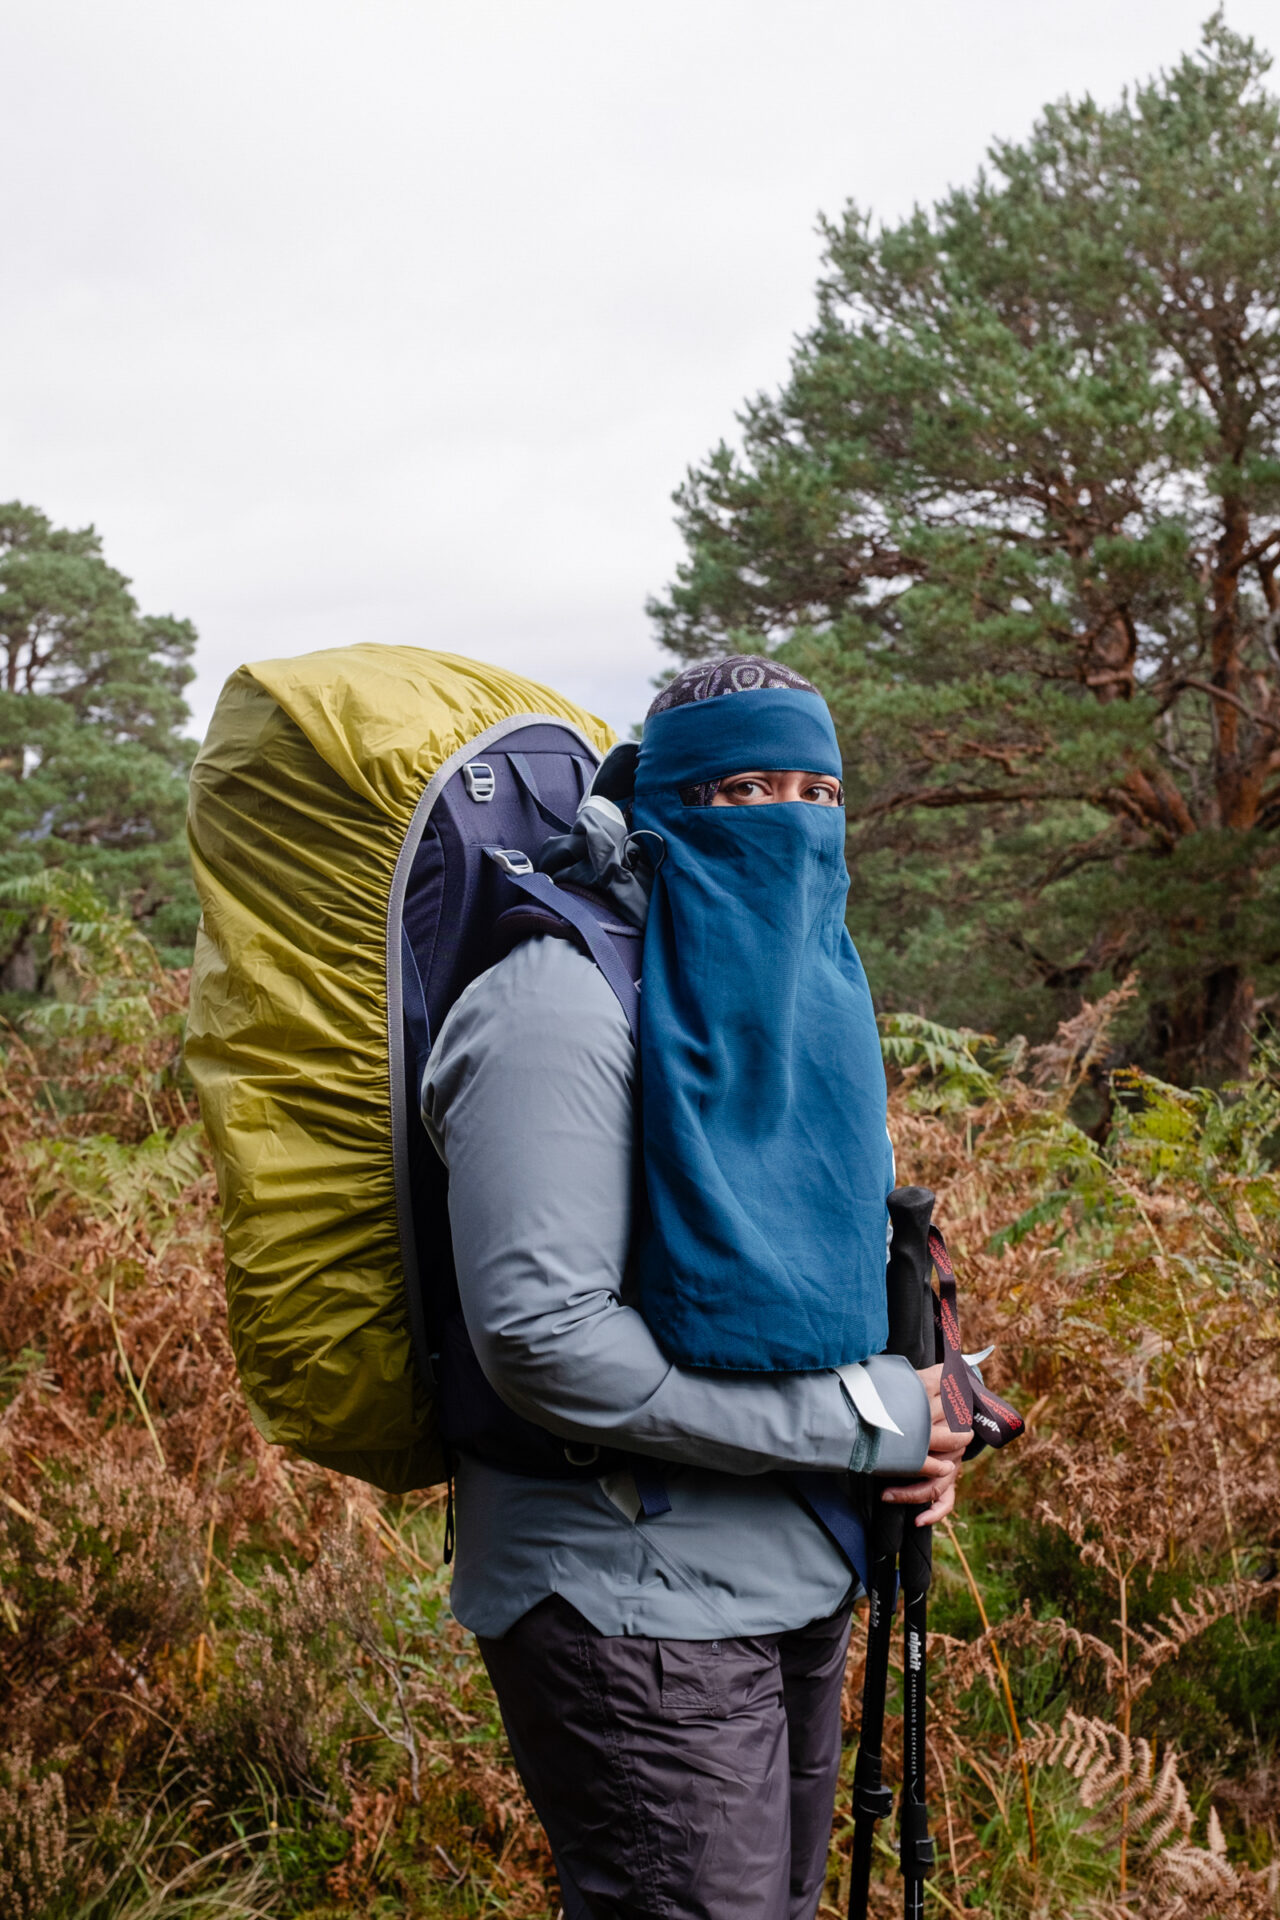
[(915, 1847), (911, 1334), (872, 1800)]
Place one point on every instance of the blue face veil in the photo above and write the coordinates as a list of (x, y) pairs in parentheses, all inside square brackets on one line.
[(766, 1158)]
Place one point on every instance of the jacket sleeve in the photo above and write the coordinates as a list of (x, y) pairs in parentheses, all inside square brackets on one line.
[(528, 1097)]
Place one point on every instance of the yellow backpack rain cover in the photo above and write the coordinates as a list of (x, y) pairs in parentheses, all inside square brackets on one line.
[(307, 801)]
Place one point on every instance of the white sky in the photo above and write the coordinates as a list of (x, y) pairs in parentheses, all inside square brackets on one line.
[(400, 320)]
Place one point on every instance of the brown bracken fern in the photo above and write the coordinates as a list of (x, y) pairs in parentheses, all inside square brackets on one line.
[(227, 1676), (1128, 1794)]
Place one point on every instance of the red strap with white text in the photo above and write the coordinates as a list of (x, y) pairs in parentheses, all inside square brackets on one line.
[(965, 1400)]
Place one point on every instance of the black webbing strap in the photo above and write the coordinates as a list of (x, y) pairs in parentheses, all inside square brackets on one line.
[(519, 764), (571, 909), (828, 1499), (651, 1486), (575, 911)]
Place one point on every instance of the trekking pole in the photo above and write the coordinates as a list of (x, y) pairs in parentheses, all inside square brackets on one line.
[(915, 1848), (925, 1329), (872, 1800), (894, 1539)]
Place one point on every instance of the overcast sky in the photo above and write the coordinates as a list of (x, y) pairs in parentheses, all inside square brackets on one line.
[(400, 320)]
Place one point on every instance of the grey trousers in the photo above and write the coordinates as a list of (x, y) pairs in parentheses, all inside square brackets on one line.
[(676, 1779)]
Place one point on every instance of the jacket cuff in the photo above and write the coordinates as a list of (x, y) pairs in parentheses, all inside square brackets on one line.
[(907, 1404), (866, 1448)]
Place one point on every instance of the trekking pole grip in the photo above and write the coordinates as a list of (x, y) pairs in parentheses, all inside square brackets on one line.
[(909, 1277)]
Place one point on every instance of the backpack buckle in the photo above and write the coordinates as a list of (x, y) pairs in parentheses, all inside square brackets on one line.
[(478, 779), (510, 859)]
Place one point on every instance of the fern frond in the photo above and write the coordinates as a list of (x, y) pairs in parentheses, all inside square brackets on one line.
[(1155, 1646), (135, 1187), (948, 1054), (1125, 1794)]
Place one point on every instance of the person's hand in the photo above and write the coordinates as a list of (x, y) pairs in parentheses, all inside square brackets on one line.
[(936, 1488)]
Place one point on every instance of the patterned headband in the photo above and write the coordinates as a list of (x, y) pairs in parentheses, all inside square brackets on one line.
[(736, 673)]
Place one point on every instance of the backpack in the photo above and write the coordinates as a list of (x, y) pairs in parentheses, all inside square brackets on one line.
[(360, 820)]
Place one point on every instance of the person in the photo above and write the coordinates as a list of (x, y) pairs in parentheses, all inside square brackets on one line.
[(669, 1672)]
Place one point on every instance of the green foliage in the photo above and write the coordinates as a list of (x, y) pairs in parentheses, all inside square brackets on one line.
[(110, 1009), (93, 761), (1017, 511), (1224, 1145), (1219, 1145), (957, 1076), (136, 1187)]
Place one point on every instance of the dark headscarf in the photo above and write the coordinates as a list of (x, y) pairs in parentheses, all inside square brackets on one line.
[(736, 673)]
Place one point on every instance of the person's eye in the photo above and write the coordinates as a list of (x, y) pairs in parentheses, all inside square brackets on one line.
[(744, 789), (822, 794)]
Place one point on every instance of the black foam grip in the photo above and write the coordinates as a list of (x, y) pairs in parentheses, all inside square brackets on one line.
[(910, 1277), (916, 1559)]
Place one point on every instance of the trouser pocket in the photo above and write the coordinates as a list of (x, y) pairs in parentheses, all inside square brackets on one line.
[(658, 1767)]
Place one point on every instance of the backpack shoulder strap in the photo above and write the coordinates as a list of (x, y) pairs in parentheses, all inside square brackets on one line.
[(591, 920)]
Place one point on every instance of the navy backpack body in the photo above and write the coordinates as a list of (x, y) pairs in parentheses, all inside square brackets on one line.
[(472, 893)]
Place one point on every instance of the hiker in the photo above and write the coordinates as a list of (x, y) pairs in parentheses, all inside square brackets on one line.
[(666, 1633)]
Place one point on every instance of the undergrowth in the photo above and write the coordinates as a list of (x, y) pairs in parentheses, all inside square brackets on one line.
[(230, 1683)]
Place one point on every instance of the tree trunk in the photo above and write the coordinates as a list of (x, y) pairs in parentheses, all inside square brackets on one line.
[(19, 971), (1206, 1034)]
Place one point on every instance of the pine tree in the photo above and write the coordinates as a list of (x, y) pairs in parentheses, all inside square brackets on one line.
[(1017, 508), (93, 761)]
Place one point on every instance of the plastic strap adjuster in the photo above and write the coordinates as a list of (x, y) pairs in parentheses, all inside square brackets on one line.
[(870, 1795), (915, 1848), (479, 780), (512, 860)]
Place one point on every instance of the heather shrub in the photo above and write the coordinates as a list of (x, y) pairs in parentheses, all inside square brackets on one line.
[(280, 1698), (34, 1860)]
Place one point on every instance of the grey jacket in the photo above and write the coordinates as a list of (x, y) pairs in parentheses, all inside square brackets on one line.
[(528, 1098)]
